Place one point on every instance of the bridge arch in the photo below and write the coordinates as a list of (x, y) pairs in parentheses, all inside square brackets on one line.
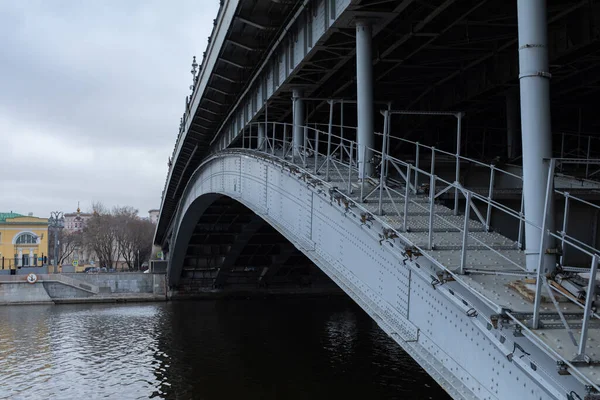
[(221, 242), (397, 292)]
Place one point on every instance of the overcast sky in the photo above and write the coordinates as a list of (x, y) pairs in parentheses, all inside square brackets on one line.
[(91, 93)]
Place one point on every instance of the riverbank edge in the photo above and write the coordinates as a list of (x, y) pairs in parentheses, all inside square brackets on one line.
[(208, 295)]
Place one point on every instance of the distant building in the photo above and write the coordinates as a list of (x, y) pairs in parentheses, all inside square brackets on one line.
[(75, 222), (153, 216), (23, 240)]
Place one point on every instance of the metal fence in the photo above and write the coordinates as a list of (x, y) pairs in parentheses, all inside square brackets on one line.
[(326, 157)]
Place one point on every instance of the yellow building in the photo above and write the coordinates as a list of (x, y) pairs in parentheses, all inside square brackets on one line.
[(23, 240)]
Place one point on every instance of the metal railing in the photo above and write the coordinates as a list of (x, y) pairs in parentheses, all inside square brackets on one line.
[(416, 183)]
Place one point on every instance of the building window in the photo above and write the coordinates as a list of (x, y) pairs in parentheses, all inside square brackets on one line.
[(26, 238)]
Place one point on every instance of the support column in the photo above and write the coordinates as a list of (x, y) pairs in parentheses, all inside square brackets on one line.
[(299, 116), (261, 137), (536, 135), (364, 95), (512, 122)]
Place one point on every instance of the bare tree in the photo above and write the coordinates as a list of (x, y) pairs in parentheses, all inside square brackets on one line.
[(133, 237), (141, 237), (69, 243), (100, 235)]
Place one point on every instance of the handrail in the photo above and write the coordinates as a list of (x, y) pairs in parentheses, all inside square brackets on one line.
[(332, 158), (337, 147), (274, 146)]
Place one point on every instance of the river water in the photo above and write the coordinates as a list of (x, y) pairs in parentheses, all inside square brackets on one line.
[(235, 349)]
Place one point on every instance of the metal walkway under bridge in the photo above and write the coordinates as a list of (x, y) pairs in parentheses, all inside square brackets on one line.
[(405, 149)]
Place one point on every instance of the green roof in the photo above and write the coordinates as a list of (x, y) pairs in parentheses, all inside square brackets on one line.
[(4, 216)]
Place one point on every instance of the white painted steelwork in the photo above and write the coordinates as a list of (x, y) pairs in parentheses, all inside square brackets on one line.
[(535, 123), (364, 94), (299, 115), (443, 291)]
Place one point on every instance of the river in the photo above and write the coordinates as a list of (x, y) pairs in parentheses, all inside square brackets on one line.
[(228, 349)]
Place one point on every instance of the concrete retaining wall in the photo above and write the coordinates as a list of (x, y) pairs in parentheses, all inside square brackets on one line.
[(23, 293), (133, 282), (74, 288), (57, 290)]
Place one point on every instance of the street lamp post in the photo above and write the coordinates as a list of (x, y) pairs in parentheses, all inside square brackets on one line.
[(56, 222)]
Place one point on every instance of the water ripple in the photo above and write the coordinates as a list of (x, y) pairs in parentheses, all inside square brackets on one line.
[(208, 350)]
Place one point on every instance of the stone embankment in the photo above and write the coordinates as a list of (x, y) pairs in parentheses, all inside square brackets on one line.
[(81, 288)]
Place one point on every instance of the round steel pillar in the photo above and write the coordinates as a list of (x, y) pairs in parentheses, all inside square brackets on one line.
[(536, 135), (299, 116), (364, 95), (260, 145)]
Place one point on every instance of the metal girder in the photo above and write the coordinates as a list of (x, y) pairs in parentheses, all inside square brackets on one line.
[(240, 45), (213, 101), (241, 241), (495, 53), (219, 91), (253, 24), (226, 61), (225, 78), (276, 263)]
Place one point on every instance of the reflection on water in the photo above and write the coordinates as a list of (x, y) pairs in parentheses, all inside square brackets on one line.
[(258, 349)]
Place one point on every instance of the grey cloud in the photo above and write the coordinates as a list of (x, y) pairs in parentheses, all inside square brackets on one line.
[(90, 98)]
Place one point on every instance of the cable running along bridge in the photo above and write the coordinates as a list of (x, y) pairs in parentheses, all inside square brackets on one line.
[(434, 159)]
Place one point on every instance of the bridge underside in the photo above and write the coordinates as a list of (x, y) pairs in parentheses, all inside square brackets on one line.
[(233, 250)]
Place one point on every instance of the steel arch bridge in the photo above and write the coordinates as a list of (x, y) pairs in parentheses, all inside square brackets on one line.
[(483, 268)]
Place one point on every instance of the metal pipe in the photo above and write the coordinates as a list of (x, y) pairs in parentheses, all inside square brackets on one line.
[(266, 131), (350, 168), (457, 172), (361, 174), (587, 165), (465, 238), (316, 150), (534, 78), (432, 179), (273, 144), (329, 140), (261, 137), (563, 233), (305, 145), (386, 117), (488, 215), (521, 223), (284, 144), (589, 302), (299, 115), (406, 197), (342, 129), (389, 130), (364, 93), (417, 168), (432, 168), (542, 269)]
